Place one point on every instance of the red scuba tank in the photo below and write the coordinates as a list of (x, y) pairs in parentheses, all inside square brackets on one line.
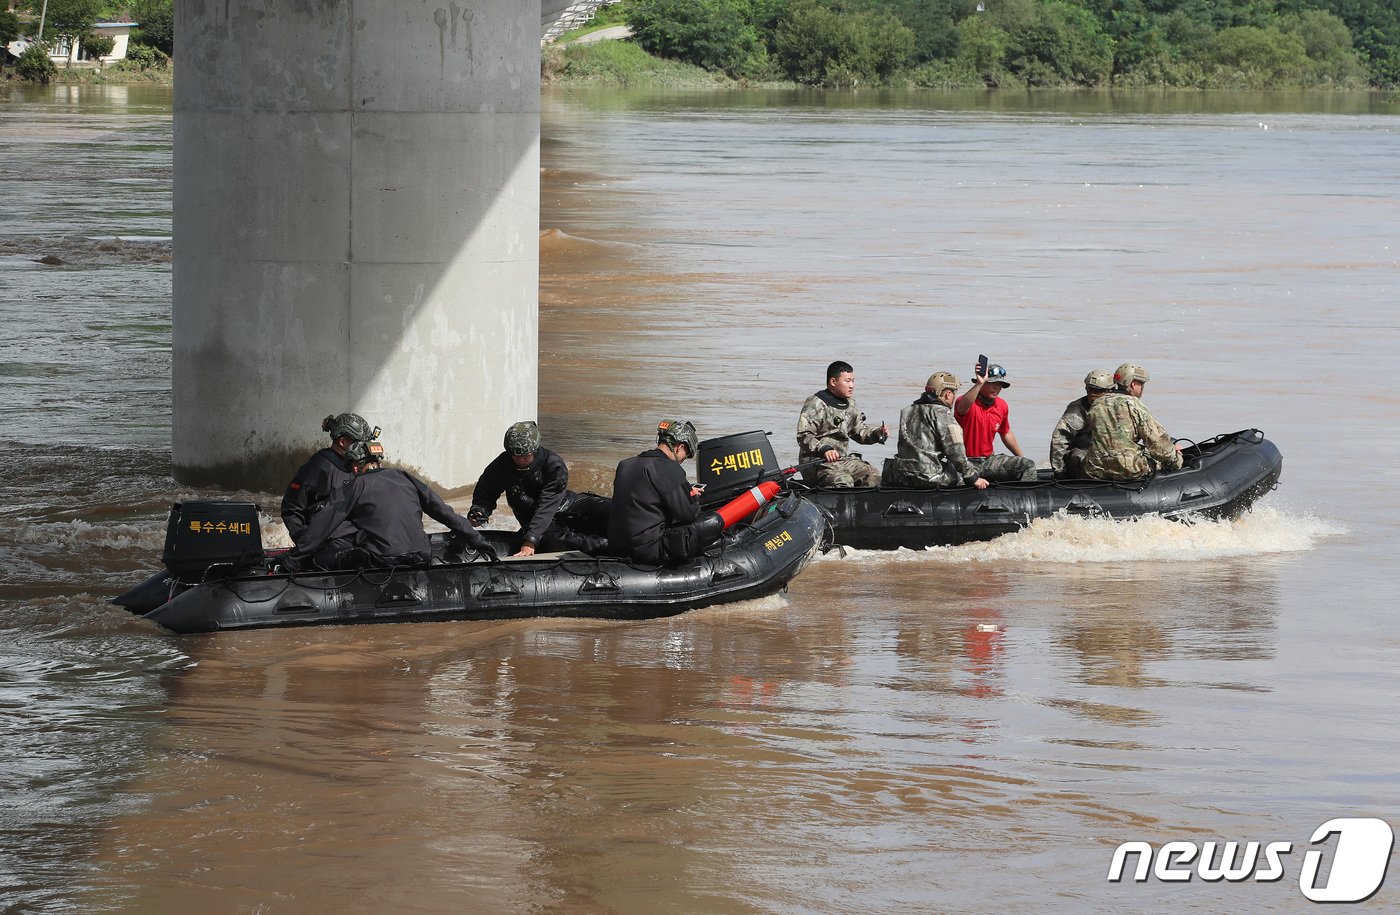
[(749, 502)]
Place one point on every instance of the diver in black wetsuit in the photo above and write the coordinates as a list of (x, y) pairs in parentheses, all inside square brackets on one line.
[(656, 512), (384, 508), (323, 474), (535, 481)]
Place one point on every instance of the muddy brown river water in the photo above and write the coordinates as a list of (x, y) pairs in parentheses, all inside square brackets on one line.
[(963, 729)]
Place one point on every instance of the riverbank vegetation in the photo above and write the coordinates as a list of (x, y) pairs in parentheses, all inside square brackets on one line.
[(149, 47), (1227, 44), (621, 63)]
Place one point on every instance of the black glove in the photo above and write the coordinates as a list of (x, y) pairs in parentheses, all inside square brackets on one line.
[(486, 551), (291, 565), (477, 516)]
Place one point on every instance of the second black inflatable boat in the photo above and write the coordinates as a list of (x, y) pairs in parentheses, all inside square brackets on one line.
[(1221, 478)]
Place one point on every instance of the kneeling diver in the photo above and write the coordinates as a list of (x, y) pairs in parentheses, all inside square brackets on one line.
[(385, 506)]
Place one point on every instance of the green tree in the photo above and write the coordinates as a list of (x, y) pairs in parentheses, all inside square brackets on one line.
[(982, 48), (823, 45), (933, 23), (714, 34), (156, 25), (1052, 42), (9, 26), (1062, 43), (70, 19), (1375, 31), (1327, 42), (1258, 58), (1190, 38)]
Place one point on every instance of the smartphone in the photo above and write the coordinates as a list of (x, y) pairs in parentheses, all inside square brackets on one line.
[(982, 366)]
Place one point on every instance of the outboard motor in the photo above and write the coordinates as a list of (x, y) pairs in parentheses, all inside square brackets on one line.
[(732, 464), (201, 535)]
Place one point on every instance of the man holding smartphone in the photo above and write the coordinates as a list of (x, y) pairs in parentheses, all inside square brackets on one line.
[(656, 515), (983, 415)]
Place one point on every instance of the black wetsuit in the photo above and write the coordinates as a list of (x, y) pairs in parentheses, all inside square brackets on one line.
[(653, 515), (551, 516), (385, 507), (311, 488)]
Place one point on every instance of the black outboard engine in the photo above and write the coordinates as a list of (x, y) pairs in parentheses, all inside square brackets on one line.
[(731, 464), (202, 535)]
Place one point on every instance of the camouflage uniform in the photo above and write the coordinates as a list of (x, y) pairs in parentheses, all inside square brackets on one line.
[(1116, 424), (1070, 440), (931, 451), (1005, 468), (827, 423)]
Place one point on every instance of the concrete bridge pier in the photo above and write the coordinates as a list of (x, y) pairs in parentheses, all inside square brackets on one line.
[(355, 228)]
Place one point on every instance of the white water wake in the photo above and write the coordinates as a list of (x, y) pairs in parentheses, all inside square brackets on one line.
[(1072, 539)]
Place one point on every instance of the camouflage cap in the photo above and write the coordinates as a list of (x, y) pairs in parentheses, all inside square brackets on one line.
[(350, 425), (939, 382), (364, 452), (678, 432), (1127, 373), (522, 438), (997, 375), (1099, 380)]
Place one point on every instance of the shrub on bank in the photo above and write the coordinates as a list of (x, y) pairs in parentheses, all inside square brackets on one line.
[(143, 57), (35, 64), (98, 46), (1051, 43)]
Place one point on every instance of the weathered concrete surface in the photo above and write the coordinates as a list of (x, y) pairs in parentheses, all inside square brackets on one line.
[(356, 228)]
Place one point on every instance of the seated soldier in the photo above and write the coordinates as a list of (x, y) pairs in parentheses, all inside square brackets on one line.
[(1125, 441), (385, 507), (656, 513), (535, 481), (1070, 440), (931, 449), (323, 474), (827, 425)]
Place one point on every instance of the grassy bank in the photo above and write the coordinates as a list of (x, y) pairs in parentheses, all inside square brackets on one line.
[(621, 63), (115, 75)]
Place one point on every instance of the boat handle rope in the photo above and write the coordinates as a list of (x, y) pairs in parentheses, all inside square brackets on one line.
[(589, 567)]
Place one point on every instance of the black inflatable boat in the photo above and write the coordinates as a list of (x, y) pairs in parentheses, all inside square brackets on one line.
[(218, 577), (1221, 478)]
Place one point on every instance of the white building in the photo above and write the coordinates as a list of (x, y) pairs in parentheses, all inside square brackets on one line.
[(67, 51)]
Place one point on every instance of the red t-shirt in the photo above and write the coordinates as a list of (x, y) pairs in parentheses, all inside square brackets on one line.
[(981, 424)]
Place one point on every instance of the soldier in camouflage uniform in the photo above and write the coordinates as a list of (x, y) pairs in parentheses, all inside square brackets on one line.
[(931, 449), (829, 422), (1070, 440), (1125, 441)]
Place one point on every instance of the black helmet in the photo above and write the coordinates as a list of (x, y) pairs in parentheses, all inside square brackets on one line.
[(523, 438), (350, 425), (364, 452), (678, 432)]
